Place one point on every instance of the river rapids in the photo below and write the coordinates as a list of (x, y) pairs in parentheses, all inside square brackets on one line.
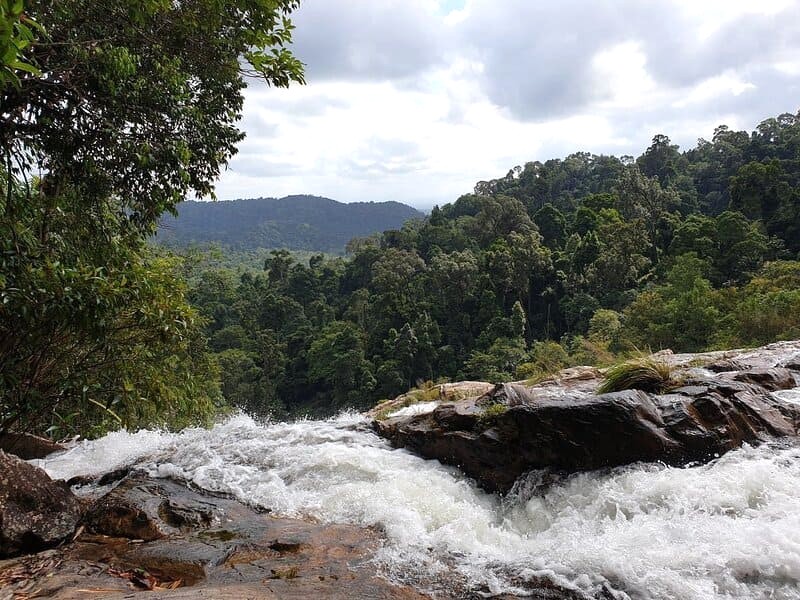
[(727, 529)]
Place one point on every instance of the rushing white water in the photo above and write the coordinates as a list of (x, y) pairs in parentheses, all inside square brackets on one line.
[(729, 529)]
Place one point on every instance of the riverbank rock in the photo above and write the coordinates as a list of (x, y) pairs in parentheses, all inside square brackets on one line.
[(27, 446), (564, 425), (35, 511), (449, 392), (161, 536)]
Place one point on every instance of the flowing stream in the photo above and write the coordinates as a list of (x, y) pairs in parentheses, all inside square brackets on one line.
[(728, 529)]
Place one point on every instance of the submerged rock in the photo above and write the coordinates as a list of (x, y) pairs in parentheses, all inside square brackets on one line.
[(562, 425), (35, 511)]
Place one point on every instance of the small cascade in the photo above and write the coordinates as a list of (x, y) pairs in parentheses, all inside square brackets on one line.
[(723, 530)]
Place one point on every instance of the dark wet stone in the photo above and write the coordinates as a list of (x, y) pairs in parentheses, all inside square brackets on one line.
[(580, 432), (792, 363), (105, 479), (451, 416), (726, 365), (27, 446), (141, 509), (207, 546), (691, 390), (35, 511), (510, 394), (770, 379)]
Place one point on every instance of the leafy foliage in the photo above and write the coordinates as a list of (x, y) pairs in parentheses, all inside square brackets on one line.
[(138, 101), (572, 261), (95, 331), (17, 33), (114, 116)]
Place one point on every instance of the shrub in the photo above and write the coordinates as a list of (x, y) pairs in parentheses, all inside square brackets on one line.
[(546, 358)]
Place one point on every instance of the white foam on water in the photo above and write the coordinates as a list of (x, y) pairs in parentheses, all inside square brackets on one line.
[(421, 408), (791, 396), (117, 449), (729, 529)]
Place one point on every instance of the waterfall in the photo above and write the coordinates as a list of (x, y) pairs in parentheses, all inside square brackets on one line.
[(727, 529)]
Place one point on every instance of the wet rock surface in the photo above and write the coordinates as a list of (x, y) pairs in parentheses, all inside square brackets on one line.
[(173, 542), (770, 379), (563, 425), (27, 446), (35, 511)]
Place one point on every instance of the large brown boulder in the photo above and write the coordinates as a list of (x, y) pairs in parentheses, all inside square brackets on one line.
[(515, 429), (35, 511), (141, 509), (159, 535), (28, 446)]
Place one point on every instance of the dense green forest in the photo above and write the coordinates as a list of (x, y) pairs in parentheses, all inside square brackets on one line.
[(306, 223), (115, 112), (569, 261)]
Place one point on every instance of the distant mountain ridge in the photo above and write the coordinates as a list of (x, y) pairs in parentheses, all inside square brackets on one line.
[(295, 222)]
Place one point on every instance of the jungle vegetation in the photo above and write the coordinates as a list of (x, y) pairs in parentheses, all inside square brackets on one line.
[(113, 112), (583, 260)]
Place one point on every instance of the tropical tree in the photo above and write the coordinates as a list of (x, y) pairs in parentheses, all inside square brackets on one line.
[(123, 109)]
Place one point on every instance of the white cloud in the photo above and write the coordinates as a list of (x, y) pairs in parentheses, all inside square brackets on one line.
[(715, 87), (416, 100), (620, 76)]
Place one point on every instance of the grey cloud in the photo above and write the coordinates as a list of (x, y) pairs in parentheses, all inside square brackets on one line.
[(773, 93), (312, 106), (364, 39), (537, 55), (257, 126), (748, 41), (254, 165), (381, 157), (276, 100), (537, 64)]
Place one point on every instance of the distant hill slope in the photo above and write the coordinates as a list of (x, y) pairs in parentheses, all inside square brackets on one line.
[(294, 222)]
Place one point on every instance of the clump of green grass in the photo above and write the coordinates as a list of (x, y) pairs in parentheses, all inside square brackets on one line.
[(426, 392), (491, 413), (647, 374)]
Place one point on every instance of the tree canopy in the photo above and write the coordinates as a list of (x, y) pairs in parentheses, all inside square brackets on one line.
[(113, 112), (572, 260), (137, 102)]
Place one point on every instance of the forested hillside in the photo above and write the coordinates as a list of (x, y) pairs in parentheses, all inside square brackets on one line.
[(293, 222), (574, 260), (114, 113)]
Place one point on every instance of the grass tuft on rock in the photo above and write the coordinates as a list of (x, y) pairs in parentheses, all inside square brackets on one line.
[(647, 374), (428, 391), (491, 413)]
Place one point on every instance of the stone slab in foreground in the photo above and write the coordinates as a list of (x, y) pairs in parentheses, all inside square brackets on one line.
[(160, 537)]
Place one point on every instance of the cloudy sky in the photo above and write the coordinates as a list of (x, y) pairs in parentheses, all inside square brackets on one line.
[(416, 100)]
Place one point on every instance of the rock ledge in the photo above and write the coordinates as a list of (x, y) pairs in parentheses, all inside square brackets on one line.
[(563, 425)]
